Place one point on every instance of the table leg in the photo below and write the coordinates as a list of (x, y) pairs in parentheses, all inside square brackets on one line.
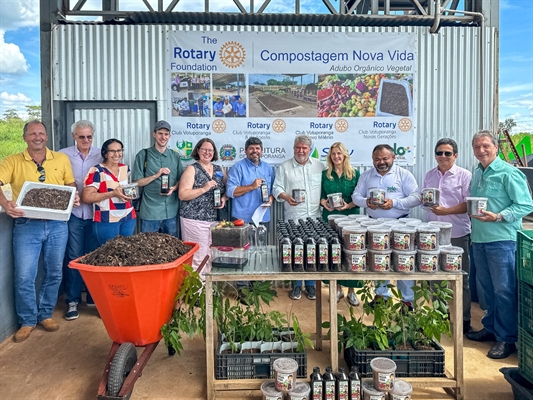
[(457, 287), (318, 345), (334, 353), (209, 339)]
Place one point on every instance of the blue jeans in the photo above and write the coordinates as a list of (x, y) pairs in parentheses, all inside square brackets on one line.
[(404, 286), (496, 272), (165, 225), (103, 231), (30, 238), (307, 283), (80, 242)]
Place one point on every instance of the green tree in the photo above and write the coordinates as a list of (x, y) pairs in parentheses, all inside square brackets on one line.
[(508, 124), (34, 112), (11, 114)]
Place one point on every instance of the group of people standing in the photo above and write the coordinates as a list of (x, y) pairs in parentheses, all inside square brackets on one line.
[(199, 191), (229, 108)]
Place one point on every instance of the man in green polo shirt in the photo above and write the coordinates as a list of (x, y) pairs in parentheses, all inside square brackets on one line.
[(158, 171)]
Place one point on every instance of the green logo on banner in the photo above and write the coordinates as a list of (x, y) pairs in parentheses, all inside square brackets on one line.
[(184, 149)]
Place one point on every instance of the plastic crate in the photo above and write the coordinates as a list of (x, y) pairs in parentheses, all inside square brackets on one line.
[(525, 306), (524, 261), (409, 363), (255, 366), (522, 388), (525, 354)]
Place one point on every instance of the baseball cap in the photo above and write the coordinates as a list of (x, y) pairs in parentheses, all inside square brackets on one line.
[(162, 125)]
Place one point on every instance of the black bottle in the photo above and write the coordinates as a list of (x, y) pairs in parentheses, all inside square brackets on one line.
[(317, 385), (342, 384), (335, 254), (298, 254), (354, 384), (285, 254), (329, 385), (165, 187), (310, 254), (322, 247)]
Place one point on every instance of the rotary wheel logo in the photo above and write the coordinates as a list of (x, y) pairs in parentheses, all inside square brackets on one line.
[(405, 124), (219, 126), (232, 54), (278, 125), (341, 125), (227, 152)]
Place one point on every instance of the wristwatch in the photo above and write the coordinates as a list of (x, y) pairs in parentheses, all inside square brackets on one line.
[(498, 218)]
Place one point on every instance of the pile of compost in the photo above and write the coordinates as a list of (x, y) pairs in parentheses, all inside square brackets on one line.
[(140, 249), (53, 199)]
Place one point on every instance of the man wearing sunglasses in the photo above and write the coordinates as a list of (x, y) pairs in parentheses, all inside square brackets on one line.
[(454, 185), (31, 237), (83, 155), (494, 242)]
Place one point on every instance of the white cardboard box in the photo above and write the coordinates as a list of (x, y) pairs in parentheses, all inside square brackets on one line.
[(45, 213)]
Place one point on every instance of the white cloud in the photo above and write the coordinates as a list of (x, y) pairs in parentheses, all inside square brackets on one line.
[(12, 60), (516, 88), (18, 101), (19, 13)]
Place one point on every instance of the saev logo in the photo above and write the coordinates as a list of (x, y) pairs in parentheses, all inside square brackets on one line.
[(400, 151)]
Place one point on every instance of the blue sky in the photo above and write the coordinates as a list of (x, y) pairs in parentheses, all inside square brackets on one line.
[(19, 51)]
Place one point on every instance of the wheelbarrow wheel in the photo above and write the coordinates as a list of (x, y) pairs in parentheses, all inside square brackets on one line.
[(121, 365)]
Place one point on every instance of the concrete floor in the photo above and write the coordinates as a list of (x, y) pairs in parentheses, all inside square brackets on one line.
[(68, 364)]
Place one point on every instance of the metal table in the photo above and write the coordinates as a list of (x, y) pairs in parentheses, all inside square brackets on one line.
[(265, 266)]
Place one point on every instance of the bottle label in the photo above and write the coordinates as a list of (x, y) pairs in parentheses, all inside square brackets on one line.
[(330, 390), (402, 241), (356, 390), (428, 263), (427, 241), (335, 253), (286, 254), (380, 241), (381, 262), (298, 254), (406, 263), (323, 253), (317, 390), (358, 262), (453, 262), (216, 194), (343, 390), (357, 241), (311, 256), (264, 193), (164, 183)]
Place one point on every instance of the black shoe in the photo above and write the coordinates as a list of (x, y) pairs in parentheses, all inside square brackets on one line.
[(407, 306), (501, 350), (481, 336), (374, 300), (466, 327)]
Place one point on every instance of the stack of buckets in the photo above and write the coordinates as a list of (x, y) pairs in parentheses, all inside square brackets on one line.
[(284, 386), (383, 385)]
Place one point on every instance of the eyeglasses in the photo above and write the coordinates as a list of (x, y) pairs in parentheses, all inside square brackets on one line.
[(40, 170), (207, 151), (446, 153), (89, 137), (116, 151)]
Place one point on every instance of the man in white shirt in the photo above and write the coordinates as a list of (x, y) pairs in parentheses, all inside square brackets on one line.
[(401, 195), (300, 172)]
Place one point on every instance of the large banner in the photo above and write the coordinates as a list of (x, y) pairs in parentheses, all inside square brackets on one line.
[(355, 88)]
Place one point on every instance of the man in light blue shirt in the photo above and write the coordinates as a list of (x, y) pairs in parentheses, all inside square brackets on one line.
[(240, 108), (401, 195), (81, 241), (494, 242), (244, 186)]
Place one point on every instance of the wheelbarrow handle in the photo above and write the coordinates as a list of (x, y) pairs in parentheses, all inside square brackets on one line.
[(202, 264)]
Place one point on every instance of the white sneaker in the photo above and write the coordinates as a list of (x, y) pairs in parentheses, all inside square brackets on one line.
[(352, 299), (340, 295)]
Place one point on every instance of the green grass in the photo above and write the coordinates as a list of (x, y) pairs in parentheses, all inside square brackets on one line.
[(11, 137)]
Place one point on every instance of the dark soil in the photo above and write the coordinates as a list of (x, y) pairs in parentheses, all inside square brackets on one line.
[(140, 249), (394, 99), (274, 103), (424, 347), (251, 351), (53, 199), (404, 346), (228, 351), (272, 351)]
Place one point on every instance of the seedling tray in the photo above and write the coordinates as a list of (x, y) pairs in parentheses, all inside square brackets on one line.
[(524, 261)]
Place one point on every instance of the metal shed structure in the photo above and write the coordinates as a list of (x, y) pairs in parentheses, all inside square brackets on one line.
[(108, 71)]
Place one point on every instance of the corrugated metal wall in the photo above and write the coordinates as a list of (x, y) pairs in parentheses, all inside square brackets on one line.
[(107, 63)]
